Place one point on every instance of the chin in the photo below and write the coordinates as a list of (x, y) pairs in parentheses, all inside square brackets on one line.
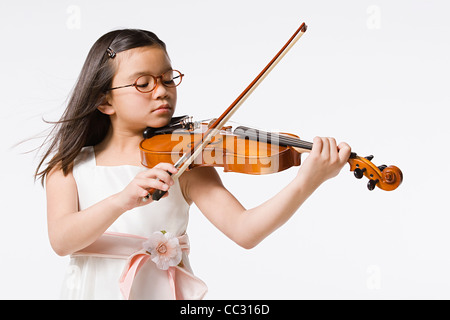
[(160, 121)]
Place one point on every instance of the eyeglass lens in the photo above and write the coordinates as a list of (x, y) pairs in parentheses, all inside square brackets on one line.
[(147, 83)]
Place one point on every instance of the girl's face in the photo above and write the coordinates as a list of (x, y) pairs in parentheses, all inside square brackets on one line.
[(132, 110)]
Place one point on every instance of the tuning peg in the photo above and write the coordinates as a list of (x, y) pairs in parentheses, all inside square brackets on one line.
[(382, 167), (371, 184), (369, 157), (359, 173)]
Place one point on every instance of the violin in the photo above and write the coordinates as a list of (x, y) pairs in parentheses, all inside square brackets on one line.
[(247, 150), (188, 144)]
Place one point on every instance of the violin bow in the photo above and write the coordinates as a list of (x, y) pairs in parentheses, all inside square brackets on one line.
[(185, 161)]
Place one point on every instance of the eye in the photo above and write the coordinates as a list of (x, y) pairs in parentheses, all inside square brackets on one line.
[(171, 78), (142, 85), (168, 82)]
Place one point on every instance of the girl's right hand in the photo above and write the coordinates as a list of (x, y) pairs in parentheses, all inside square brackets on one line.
[(134, 193)]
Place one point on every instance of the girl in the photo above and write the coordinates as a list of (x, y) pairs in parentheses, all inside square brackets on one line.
[(96, 185)]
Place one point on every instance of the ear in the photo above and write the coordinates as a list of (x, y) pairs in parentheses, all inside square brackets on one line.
[(105, 107)]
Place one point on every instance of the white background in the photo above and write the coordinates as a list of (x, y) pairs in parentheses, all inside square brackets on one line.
[(372, 73)]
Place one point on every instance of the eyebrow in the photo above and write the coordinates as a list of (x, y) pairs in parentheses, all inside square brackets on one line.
[(136, 75)]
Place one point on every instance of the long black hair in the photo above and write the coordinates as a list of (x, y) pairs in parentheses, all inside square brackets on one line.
[(82, 124)]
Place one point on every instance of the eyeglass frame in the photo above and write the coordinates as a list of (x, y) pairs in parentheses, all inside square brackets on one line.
[(154, 78)]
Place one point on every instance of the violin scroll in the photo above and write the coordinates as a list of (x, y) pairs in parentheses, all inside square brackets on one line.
[(384, 177)]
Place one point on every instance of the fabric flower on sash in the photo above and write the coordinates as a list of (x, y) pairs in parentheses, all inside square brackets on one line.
[(164, 249)]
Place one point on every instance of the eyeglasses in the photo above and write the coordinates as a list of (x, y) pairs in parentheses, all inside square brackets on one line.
[(147, 83)]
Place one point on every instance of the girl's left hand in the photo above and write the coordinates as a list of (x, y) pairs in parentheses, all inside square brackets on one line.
[(325, 161)]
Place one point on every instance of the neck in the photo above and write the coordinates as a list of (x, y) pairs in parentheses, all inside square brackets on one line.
[(280, 139), (118, 148)]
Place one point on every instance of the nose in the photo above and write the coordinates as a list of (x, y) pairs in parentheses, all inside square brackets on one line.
[(160, 90)]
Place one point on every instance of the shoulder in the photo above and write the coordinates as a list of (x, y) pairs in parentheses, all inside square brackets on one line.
[(198, 180), (85, 157), (61, 190), (57, 178)]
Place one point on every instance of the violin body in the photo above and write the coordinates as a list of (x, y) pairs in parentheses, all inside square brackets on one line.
[(233, 152)]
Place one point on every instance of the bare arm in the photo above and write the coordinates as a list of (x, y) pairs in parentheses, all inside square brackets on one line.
[(71, 229), (249, 227)]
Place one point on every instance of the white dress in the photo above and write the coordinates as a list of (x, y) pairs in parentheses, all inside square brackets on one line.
[(90, 277)]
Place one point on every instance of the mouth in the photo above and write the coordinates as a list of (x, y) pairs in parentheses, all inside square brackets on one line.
[(163, 109)]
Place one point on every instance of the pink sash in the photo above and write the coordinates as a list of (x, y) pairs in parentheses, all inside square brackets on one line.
[(184, 285)]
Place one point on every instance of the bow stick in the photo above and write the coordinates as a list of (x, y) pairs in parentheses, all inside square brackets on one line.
[(185, 161)]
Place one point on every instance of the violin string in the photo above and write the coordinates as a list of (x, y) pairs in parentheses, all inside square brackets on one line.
[(282, 139)]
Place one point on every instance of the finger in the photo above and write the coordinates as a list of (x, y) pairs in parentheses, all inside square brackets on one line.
[(159, 174), (344, 151), (147, 184), (167, 167), (147, 197), (326, 148), (317, 145), (333, 149)]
